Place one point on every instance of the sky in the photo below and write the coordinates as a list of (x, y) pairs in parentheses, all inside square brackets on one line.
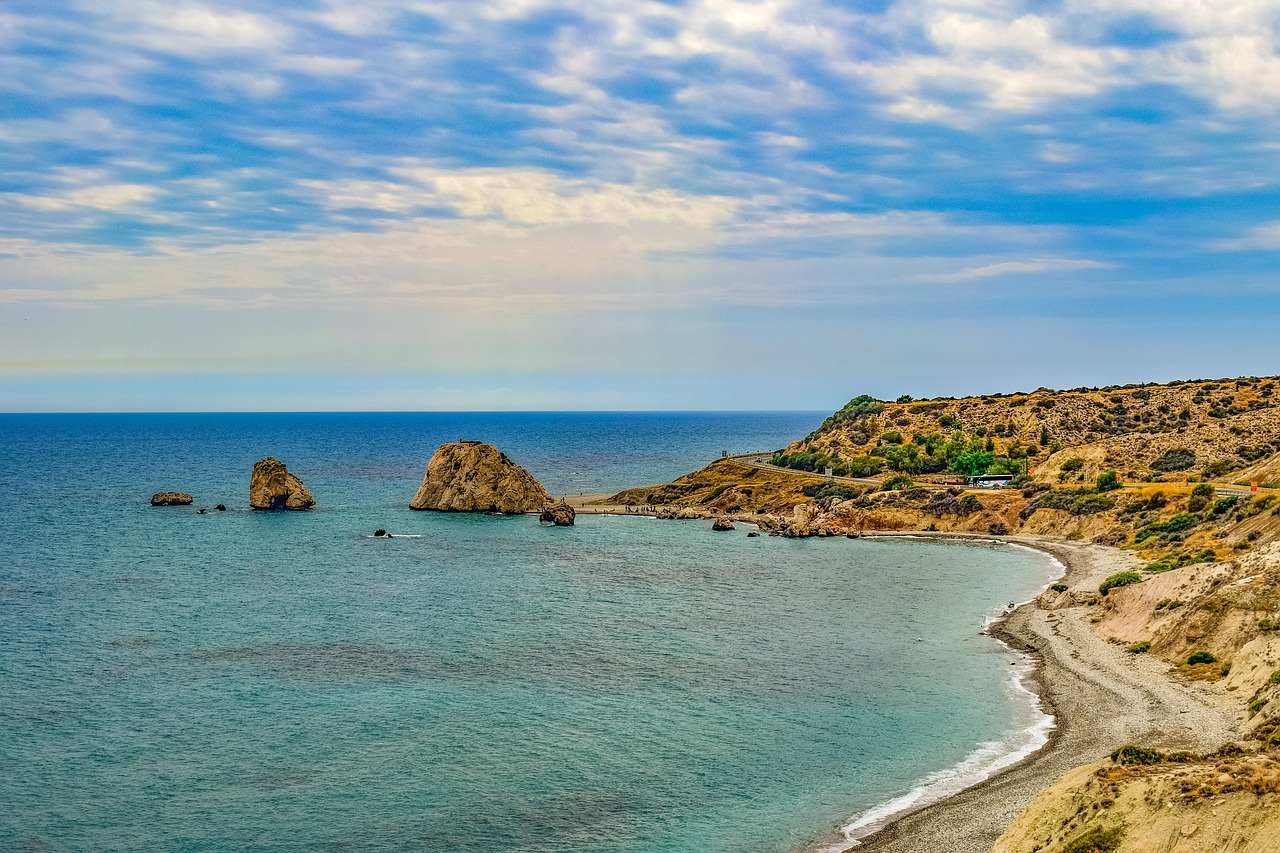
[(630, 204)]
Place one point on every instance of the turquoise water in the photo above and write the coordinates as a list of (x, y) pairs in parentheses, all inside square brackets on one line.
[(240, 680)]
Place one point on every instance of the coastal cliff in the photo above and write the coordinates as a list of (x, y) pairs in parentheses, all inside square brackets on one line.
[(470, 476)]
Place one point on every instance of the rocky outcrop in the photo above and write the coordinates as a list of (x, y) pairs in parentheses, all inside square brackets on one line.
[(272, 487), (171, 499), (560, 514), (470, 476), (722, 524)]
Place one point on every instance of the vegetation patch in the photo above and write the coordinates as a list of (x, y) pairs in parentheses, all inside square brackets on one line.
[(1097, 840), (1140, 647), (1119, 579), (1179, 459)]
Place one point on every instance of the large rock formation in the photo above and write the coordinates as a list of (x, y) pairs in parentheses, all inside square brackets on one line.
[(171, 499), (559, 513), (469, 476), (273, 487)]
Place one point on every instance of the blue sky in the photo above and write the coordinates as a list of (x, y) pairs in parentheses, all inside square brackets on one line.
[(544, 204)]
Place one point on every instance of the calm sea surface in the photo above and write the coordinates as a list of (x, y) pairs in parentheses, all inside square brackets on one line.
[(255, 681)]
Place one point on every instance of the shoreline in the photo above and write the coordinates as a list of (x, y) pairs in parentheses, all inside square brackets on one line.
[(1099, 696)]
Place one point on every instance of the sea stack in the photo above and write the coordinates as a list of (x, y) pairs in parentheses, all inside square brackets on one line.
[(171, 499), (273, 487), (470, 476), (559, 513)]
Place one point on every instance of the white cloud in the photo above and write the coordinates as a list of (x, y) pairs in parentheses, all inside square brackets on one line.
[(1018, 267), (527, 198), (193, 29), (321, 66), (1264, 237), (110, 197)]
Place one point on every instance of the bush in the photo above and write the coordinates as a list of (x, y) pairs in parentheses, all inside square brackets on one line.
[(1108, 481), (831, 490), (1179, 459), (1180, 522), (1201, 657), (1203, 490), (1097, 840), (1140, 647), (970, 503), (997, 528), (1130, 755), (1059, 587), (1075, 463), (1222, 506), (1119, 579), (900, 481)]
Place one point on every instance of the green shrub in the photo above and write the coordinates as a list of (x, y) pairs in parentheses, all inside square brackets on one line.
[(1222, 506), (1108, 481), (1203, 490), (831, 490), (1075, 463), (899, 481), (1097, 840), (1131, 755), (1119, 579), (1201, 657), (1179, 523), (1140, 647), (1059, 587)]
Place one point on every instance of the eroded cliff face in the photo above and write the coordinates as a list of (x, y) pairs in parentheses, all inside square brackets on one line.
[(1227, 801), (271, 486), (469, 476)]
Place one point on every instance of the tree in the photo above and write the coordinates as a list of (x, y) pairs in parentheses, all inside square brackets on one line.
[(1044, 436), (1108, 481), (973, 462)]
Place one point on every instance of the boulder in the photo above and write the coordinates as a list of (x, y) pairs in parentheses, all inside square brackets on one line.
[(560, 514), (722, 524), (470, 476), (171, 499), (272, 487)]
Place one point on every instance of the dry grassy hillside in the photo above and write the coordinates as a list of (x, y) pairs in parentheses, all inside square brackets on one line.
[(1224, 429)]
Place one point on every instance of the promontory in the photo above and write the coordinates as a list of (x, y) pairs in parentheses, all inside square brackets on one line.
[(470, 476)]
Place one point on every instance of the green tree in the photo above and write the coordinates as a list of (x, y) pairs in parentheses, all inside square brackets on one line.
[(971, 463), (1108, 481)]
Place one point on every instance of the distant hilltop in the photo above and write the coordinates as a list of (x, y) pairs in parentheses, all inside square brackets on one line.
[(1180, 472), (1215, 429)]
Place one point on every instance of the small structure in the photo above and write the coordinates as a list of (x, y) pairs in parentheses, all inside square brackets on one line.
[(989, 481)]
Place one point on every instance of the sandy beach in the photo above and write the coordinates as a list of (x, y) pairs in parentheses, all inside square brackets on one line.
[(1102, 698)]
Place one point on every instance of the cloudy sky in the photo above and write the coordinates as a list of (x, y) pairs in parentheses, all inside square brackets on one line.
[(582, 204)]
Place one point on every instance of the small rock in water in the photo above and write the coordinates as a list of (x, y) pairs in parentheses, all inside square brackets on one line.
[(171, 499), (221, 507), (722, 524), (752, 533), (201, 511), (379, 532)]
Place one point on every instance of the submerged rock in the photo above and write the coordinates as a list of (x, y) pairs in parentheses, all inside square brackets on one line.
[(272, 487), (560, 514), (722, 524), (470, 476), (171, 499)]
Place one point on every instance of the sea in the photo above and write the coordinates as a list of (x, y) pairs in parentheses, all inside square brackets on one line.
[(241, 680)]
